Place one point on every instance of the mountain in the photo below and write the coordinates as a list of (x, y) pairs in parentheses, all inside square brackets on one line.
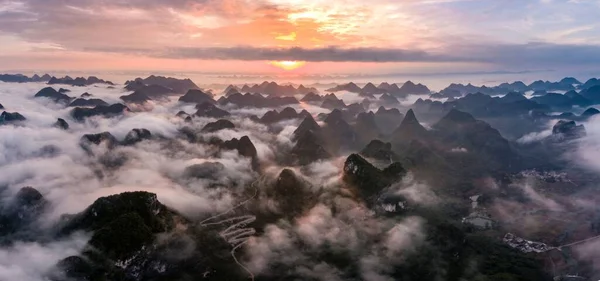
[(458, 90), (350, 87), (287, 113), (410, 88), (105, 138), (310, 143), (218, 125), (291, 194), (590, 83), (61, 124), (551, 86), (137, 135), (138, 97), (78, 81), (368, 180), (555, 100), (15, 78), (392, 89), (244, 147), (208, 109), (308, 148), (578, 100), (11, 117), (366, 128), (570, 80), (312, 98), (462, 130), (592, 93), (81, 113), (410, 129), (513, 97), (232, 89), (196, 96), (87, 102), (54, 95), (568, 130), (134, 219), (308, 125), (174, 85), (152, 91), (337, 133), (332, 102), (388, 119), (257, 100), (352, 110), (590, 112), (19, 214), (275, 90), (380, 150), (388, 99), (516, 86), (370, 89)]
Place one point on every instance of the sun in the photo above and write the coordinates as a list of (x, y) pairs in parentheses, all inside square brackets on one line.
[(287, 64)]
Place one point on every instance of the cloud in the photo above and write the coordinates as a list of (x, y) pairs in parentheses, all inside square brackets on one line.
[(534, 137), (441, 31), (32, 261), (523, 56), (342, 226), (414, 191), (51, 160), (588, 148)]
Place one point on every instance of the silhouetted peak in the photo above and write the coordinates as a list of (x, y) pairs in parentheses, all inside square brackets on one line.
[(287, 179), (288, 113), (367, 117), (208, 109), (28, 196), (457, 116), (368, 179), (308, 124), (62, 124), (218, 125), (568, 129), (196, 96), (105, 138), (410, 117), (590, 112), (335, 116), (137, 135), (379, 150), (7, 117), (304, 113)]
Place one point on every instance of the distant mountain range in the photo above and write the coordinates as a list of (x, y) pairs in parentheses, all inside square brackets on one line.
[(51, 80), (168, 84), (408, 88), (271, 89), (538, 87)]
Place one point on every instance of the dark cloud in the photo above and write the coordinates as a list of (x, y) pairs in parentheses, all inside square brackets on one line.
[(532, 55), (332, 54)]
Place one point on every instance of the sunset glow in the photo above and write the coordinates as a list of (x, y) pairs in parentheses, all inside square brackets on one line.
[(288, 65), (415, 36)]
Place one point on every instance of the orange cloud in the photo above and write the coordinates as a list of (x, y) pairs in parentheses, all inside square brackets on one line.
[(289, 37)]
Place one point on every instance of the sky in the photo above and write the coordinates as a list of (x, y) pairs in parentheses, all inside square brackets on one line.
[(314, 37)]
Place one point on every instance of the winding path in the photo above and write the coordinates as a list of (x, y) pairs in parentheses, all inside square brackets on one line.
[(237, 234)]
